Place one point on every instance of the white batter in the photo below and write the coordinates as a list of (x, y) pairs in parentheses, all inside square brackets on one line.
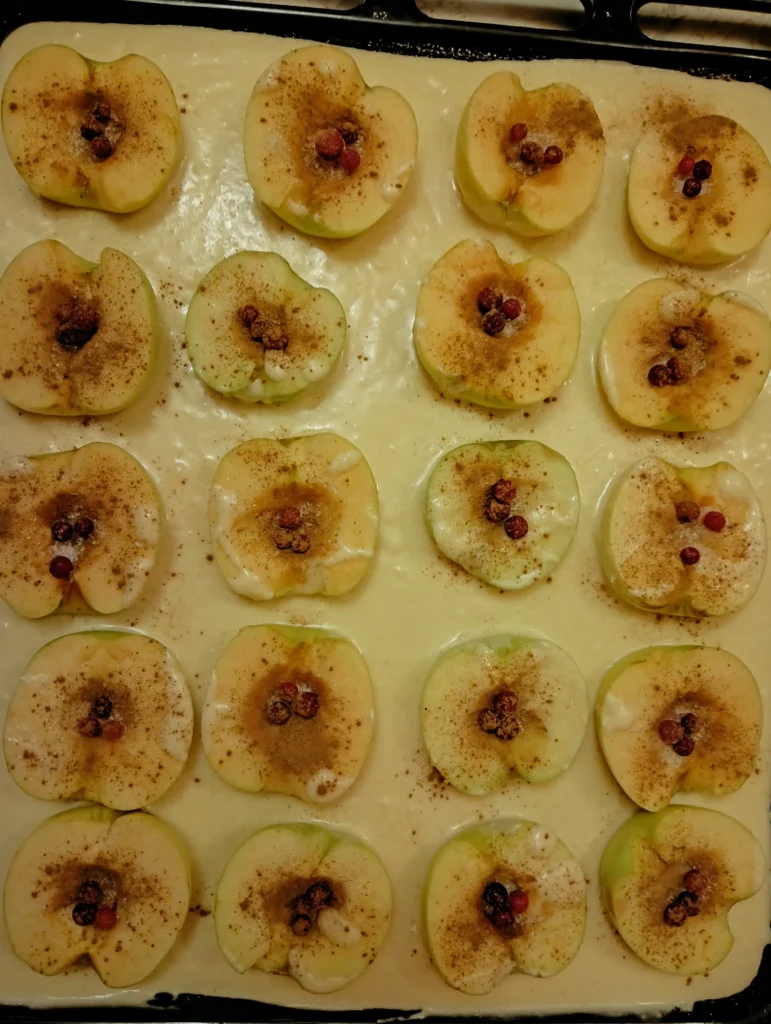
[(411, 605)]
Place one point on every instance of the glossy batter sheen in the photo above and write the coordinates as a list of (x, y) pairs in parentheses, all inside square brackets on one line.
[(411, 604)]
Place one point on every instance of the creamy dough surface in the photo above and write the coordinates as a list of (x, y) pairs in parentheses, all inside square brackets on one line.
[(412, 604)]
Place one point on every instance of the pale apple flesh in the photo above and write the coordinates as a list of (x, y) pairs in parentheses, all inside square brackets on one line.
[(547, 498), (142, 868), (663, 685), (645, 869), (101, 715), (719, 347), (289, 710), (536, 742), (246, 296), (523, 363), (300, 96), (534, 198), (45, 367), (732, 212), (327, 480), (49, 96), (643, 539), (471, 953), (335, 883), (100, 483)]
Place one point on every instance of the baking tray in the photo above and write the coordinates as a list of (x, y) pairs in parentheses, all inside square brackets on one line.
[(608, 31)]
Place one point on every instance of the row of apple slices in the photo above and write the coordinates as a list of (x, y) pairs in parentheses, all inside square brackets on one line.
[(302, 900), (486, 331), (300, 516)]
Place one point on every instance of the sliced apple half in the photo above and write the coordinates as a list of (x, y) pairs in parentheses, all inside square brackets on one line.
[(504, 510), (532, 161), (104, 716), (700, 190), (78, 530), (679, 718), (498, 334), (76, 338), (503, 707), (85, 133), (669, 879), (674, 358), (258, 332), (295, 516), (502, 897), (94, 883), (326, 152), (305, 901), (684, 540), (289, 710)]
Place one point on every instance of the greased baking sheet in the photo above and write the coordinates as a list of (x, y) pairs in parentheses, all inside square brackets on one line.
[(412, 604)]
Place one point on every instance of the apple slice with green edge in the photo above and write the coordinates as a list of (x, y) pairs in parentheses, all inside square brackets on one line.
[(78, 530), (104, 716), (293, 516), (674, 358), (94, 883), (683, 540), (502, 707), (502, 897), (499, 334), (669, 879), (679, 718), (700, 190), (85, 133), (289, 710), (532, 161), (258, 332), (504, 510), (305, 901), (326, 152), (76, 338)]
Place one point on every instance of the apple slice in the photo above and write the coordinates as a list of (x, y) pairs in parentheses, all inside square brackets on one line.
[(306, 901), (78, 530), (502, 707), (85, 133), (258, 332), (504, 510), (501, 897), (295, 516), (323, 150), (684, 540), (289, 710), (498, 334), (679, 718), (76, 338), (91, 882), (103, 715), (700, 190), (530, 162), (674, 358), (669, 879)]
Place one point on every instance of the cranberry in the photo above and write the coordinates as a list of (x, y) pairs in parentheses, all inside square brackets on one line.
[(519, 901), (61, 531), (106, 919), (84, 914), (89, 892), (283, 539), (691, 188), (349, 160), (687, 511), (60, 567), (289, 517), (289, 690), (494, 322), (691, 903), (505, 703), (702, 170), (516, 527), (684, 746), (113, 730), (553, 155), (278, 711), (320, 894), (518, 132), (502, 919), (248, 314), (675, 914), (694, 881), (686, 165), (90, 727), (83, 527), (714, 521), (300, 924), (690, 556), (670, 732), (102, 112), (677, 371), (511, 309), (504, 490), (488, 299), (306, 704), (689, 722), (101, 148), (658, 375), (495, 896), (497, 511), (101, 707), (330, 144), (350, 132), (90, 129), (487, 720), (530, 153), (300, 543)]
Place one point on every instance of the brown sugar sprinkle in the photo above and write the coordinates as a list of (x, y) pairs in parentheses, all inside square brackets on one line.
[(77, 324)]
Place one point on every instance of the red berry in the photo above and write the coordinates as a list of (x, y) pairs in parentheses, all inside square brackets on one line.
[(690, 556), (83, 527), (686, 165), (488, 299), (106, 919), (329, 145), (113, 730), (516, 527), (61, 531), (702, 170), (691, 188), (349, 160), (714, 521), (511, 309), (518, 132), (519, 901), (553, 155), (60, 567), (289, 689), (670, 732)]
